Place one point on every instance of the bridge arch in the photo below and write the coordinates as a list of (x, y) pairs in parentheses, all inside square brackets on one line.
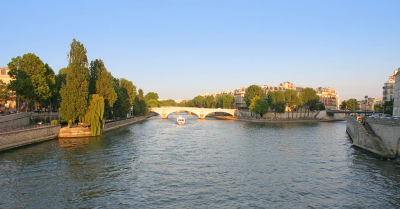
[(165, 114), (200, 112)]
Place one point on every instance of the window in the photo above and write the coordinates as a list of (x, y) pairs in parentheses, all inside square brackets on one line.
[(3, 72)]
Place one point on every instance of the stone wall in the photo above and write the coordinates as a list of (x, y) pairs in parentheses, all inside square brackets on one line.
[(14, 121), (388, 130), (117, 124), (371, 137), (13, 139)]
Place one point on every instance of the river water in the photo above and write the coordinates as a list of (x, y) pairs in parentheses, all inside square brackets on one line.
[(203, 164)]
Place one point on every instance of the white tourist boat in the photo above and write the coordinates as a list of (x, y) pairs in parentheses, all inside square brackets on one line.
[(180, 120)]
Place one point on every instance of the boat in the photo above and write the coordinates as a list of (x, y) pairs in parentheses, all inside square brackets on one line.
[(180, 120)]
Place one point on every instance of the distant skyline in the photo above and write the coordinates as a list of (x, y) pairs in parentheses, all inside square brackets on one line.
[(180, 49)]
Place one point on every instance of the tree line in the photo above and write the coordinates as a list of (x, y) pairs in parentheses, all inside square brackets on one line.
[(260, 103), (82, 92)]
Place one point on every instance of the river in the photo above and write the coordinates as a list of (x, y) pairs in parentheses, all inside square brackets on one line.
[(203, 164)]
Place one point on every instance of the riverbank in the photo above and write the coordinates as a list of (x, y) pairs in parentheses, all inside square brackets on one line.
[(289, 121), (377, 135), (78, 132), (23, 137)]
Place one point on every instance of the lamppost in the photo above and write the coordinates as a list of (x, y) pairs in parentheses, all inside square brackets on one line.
[(365, 105)]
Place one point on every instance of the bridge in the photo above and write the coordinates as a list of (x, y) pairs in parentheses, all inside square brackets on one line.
[(200, 112)]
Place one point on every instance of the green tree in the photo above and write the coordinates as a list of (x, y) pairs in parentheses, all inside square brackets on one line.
[(276, 100), (3, 92), (130, 89), (343, 105), (291, 100), (168, 102), (253, 102), (308, 97), (227, 101), (152, 103), (139, 105), (198, 101), (102, 82), (32, 79), (75, 92), (251, 92), (352, 104), (150, 96), (388, 107), (121, 106), (94, 115), (261, 106), (209, 101)]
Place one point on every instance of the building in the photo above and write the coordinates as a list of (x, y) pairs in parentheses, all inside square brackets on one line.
[(369, 104), (9, 104), (388, 87), (328, 97), (396, 103), (238, 95)]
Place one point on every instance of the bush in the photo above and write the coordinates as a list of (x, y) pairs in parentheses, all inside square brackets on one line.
[(55, 122)]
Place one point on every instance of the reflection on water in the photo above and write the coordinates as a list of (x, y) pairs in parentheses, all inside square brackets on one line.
[(205, 163)]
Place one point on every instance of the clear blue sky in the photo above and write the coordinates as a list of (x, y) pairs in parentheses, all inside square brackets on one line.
[(180, 48)]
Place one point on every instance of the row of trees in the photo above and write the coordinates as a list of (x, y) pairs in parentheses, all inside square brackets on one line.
[(278, 101), (219, 101), (353, 104), (82, 92)]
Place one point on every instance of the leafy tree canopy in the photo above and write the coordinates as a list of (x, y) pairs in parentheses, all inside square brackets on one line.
[(75, 92), (251, 92)]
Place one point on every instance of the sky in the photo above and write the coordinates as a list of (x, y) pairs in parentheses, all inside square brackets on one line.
[(181, 48)]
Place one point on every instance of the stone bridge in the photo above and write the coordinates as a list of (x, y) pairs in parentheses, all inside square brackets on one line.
[(200, 112)]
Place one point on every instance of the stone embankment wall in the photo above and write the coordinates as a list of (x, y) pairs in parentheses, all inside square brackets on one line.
[(118, 124), (77, 132), (318, 115), (17, 138), (389, 131), (14, 121), (380, 136)]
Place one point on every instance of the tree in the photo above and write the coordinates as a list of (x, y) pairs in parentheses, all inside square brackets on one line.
[(388, 107), (94, 115), (261, 106), (308, 97), (291, 99), (209, 101), (75, 92), (352, 104), (276, 100), (251, 92), (227, 101), (150, 96), (198, 101), (3, 92), (152, 103), (253, 102), (121, 106), (102, 82), (32, 79), (139, 105), (168, 102), (343, 105), (130, 89)]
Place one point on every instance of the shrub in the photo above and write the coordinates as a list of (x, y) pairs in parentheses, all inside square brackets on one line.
[(55, 122)]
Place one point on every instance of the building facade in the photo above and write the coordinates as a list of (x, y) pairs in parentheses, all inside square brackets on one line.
[(396, 103), (388, 87), (11, 103), (328, 97)]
